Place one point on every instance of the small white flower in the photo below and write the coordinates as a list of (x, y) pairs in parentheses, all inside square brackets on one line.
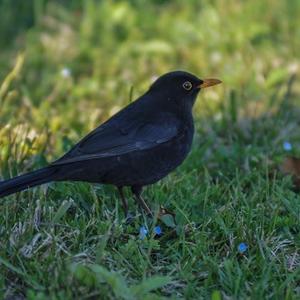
[(65, 72)]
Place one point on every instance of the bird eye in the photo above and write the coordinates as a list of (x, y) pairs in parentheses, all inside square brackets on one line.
[(187, 86)]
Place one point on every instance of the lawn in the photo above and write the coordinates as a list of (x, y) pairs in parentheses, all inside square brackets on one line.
[(66, 66)]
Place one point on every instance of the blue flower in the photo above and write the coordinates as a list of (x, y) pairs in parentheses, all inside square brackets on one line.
[(157, 230), (143, 232), (242, 247), (287, 146)]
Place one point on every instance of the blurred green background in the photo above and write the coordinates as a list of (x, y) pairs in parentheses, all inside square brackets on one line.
[(84, 60), (66, 66)]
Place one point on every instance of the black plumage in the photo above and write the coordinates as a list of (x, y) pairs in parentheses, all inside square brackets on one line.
[(136, 147)]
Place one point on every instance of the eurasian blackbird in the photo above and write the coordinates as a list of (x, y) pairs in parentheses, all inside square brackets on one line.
[(138, 146)]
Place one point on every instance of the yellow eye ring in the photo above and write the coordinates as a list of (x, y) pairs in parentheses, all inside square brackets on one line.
[(187, 85)]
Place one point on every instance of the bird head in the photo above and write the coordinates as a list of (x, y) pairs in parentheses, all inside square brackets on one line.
[(180, 88)]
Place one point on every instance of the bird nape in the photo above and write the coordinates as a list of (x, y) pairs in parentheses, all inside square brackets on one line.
[(138, 146)]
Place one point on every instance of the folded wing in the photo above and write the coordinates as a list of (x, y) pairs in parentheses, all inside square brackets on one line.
[(113, 139)]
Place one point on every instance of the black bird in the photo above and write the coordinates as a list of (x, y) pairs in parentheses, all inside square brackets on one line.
[(138, 146)]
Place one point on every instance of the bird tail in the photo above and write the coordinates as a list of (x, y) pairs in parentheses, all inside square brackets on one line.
[(27, 180)]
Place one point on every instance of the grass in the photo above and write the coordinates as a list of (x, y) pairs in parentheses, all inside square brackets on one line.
[(69, 67)]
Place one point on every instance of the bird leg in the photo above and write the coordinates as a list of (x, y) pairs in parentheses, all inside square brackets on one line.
[(137, 190), (124, 201)]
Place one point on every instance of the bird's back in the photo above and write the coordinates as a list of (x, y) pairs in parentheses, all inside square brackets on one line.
[(138, 146), (140, 167)]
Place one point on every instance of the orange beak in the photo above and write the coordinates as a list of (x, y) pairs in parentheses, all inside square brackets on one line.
[(209, 82)]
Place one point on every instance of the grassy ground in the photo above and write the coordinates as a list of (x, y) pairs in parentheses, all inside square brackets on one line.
[(79, 63)]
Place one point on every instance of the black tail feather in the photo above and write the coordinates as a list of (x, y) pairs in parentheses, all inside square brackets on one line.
[(27, 180)]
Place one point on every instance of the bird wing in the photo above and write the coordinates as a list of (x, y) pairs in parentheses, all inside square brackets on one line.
[(117, 138)]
